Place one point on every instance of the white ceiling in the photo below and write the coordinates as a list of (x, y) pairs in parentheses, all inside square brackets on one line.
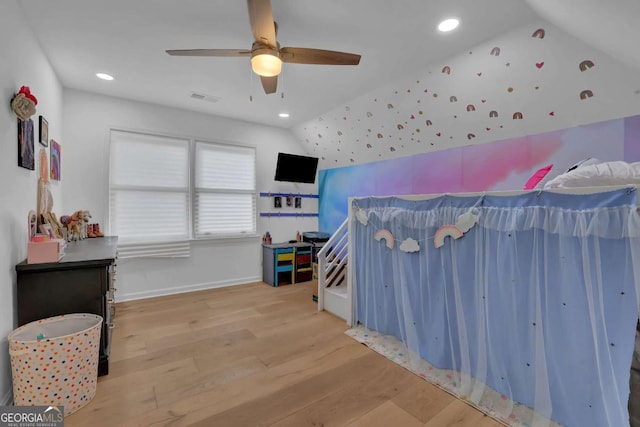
[(128, 39)]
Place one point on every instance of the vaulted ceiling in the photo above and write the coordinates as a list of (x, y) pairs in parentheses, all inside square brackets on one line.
[(128, 39)]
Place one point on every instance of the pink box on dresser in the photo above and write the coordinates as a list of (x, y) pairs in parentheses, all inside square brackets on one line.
[(49, 251)]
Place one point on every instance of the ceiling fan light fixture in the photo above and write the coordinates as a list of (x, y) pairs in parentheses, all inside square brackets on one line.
[(265, 62)]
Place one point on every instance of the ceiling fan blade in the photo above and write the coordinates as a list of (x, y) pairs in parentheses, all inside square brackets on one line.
[(209, 52), (269, 84), (261, 19), (302, 55)]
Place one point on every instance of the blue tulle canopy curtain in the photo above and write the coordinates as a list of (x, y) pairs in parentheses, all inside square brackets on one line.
[(523, 305)]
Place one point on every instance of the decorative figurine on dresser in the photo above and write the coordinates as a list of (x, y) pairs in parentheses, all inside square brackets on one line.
[(82, 281)]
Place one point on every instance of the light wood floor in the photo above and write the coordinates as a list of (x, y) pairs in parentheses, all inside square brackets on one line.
[(253, 355)]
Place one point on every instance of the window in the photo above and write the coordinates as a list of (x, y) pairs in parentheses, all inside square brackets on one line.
[(225, 190), (154, 193)]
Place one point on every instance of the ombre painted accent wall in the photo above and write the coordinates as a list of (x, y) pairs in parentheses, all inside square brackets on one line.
[(501, 165)]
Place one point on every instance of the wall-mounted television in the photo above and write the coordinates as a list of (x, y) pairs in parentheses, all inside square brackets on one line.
[(295, 168)]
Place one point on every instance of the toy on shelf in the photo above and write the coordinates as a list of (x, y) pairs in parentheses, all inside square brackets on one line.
[(76, 225), (93, 230)]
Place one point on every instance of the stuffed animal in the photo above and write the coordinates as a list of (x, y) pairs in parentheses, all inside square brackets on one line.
[(84, 217), (76, 225)]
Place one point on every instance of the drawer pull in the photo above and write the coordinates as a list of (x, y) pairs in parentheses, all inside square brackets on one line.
[(111, 325), (110, 300)]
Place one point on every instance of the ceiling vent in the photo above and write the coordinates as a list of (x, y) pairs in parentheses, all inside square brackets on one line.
[(204, 97)]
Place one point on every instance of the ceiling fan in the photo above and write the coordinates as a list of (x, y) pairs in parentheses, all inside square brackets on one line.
[(266, 54)]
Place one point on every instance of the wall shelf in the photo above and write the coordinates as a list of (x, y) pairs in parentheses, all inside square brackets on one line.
[(308, 196), (291, 214)]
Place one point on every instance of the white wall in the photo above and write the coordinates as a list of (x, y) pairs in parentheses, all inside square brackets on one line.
[(22, 63), (538, 77), (87, 119)]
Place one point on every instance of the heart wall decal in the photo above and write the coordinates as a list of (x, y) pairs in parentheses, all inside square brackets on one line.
[(539, 64)]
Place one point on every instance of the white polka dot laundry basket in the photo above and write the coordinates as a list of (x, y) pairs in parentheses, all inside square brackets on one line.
[(54, 361)]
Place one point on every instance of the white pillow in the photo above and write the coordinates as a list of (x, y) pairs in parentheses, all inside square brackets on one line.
[(607, 173)]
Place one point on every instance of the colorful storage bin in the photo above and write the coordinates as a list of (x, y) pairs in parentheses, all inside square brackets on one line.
[(54, 361)]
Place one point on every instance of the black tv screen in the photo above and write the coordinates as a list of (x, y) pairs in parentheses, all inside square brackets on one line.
[(294, 168)]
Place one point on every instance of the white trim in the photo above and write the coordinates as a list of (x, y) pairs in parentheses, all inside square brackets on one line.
[(7, 399), (121, 297), (336, 303), (350, 315)]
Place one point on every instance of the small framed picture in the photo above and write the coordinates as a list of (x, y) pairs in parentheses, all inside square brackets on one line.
[(289, 201), (46, 229), (44, 132), (277, 202), (298, 202), (26, 153), (55, 162)]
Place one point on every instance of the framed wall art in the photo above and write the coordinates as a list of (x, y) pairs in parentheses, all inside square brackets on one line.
[(43, 135), (26, 155), (55, 162)]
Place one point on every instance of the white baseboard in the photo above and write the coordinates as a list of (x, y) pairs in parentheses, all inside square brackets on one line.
[(120, 297), (7, 399)]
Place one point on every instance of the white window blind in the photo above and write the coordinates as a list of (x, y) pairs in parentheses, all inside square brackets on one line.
[(149, 192), (225, 190)]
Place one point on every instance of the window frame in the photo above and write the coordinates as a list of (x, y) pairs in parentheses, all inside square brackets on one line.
[(193, 193), (192, 142)]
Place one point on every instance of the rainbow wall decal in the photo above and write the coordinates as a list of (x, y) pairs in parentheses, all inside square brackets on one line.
[(453, 99), (428, 122), (585, 94), (446, 70), (517, 116), (586, 64), (493, 113), (495, 51), (470, 136), (386, 235), (538, 34), (471, 107), (444, 231)]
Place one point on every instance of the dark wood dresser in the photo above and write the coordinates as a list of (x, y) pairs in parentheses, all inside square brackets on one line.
[(81, 282)]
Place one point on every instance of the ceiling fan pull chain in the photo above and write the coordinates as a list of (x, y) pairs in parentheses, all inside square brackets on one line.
[(282, 80), (250, 86)]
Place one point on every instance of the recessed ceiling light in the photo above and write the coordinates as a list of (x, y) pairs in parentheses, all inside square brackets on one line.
[(104, 76), (284, 115), (448, 25)]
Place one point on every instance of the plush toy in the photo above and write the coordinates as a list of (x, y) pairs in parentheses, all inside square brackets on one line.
[(84, 217), (76, 225), (24, 103)]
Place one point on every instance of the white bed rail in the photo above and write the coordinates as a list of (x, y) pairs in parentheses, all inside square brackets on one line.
[(333, 260)]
